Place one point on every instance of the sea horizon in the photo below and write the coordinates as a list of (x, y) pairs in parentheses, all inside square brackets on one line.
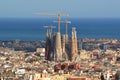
[(31, 29)]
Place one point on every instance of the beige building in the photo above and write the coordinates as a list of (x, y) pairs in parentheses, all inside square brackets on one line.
[(85, 54), (41, 51)]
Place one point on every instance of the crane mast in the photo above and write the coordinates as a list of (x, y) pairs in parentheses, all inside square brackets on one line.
[(57, 14)]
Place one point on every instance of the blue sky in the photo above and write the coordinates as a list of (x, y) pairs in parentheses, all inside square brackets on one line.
[(75, 8)]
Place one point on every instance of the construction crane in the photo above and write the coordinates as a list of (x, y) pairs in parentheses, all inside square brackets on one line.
[(66, 22), (59, 14)]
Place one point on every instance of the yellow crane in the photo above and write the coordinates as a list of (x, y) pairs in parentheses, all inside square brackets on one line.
[(59, 14), (66, 22)]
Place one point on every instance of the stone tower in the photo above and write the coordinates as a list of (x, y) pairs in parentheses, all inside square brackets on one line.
[(58, 49), (64, 54), (74, 47), (48, 44)]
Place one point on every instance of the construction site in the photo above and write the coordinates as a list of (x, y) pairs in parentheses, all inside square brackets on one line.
[(61, 47)]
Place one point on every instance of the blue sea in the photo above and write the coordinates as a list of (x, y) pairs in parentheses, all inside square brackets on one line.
[(31, 29)]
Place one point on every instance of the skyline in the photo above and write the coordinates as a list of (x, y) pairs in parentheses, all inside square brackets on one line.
[(80, 9)]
